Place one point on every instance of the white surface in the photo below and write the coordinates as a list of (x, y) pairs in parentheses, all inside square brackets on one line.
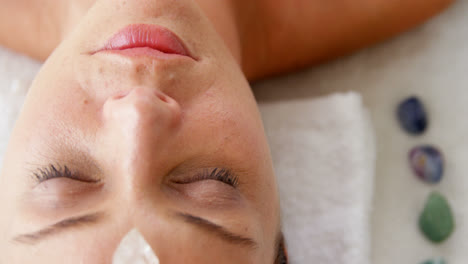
[(324, 155), (16, 74), (432, 62)]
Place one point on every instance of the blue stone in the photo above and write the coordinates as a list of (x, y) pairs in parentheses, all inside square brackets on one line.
[(427, 163), (412, 116), (435, 261)]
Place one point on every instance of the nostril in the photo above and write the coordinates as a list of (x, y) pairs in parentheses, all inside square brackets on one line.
[(162, 97), (141, 94), (120, 95), (142, 108)]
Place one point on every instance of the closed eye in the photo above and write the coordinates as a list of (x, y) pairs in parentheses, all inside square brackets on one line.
[(57, 171), (219, 174)]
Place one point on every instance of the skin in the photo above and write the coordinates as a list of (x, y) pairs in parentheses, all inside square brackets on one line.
[(103, 107), (137, 131)]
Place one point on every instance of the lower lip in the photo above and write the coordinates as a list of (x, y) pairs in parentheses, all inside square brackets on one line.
[(147, 41)]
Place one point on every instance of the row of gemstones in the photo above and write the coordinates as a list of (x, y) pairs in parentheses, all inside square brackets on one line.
[(436, 220)]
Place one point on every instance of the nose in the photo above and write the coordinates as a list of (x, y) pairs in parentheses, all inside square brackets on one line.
[(142, 108), (138, 126)]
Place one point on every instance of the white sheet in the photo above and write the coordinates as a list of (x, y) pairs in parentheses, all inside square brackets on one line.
[(16, 74)]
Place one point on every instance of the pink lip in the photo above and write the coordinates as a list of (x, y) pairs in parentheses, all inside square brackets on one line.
[(145, 40)]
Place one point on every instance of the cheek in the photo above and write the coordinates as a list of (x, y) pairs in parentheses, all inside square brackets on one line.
[(227, 125), (57, 105)]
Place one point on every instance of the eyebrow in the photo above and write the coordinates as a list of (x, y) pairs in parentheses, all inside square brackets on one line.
[(217, 230), (90, 219), (54, 229)]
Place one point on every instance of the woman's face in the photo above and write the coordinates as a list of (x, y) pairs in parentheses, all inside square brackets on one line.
[(107, 143)]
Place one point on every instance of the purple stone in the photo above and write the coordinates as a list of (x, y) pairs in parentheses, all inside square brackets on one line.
[(427, 163)]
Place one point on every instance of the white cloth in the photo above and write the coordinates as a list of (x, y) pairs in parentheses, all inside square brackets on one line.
[(323, 151)]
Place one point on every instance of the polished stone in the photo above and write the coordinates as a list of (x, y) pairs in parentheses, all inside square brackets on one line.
[(413, 116), (427, 163), (435, 261), (436, 221)]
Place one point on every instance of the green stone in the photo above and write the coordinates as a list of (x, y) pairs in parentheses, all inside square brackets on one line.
[(436, 221), (435, 261)]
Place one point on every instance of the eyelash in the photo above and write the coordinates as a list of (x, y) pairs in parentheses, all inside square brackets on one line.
[(57, 171), (222, 175)]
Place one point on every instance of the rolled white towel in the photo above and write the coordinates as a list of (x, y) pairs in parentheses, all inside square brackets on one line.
[(324, 156)]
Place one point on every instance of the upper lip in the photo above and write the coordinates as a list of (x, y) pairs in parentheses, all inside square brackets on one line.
[(149, 36)]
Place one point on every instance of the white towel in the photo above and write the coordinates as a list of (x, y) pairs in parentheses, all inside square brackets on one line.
[(324, 156)]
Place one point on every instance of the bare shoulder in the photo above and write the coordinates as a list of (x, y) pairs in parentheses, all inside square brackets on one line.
[(282, 36), (27, 26), (34, 27)]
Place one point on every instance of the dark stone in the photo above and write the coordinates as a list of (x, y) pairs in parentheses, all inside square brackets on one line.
[(412, 116)]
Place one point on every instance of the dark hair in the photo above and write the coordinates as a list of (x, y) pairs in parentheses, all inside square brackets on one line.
[(281, 255)]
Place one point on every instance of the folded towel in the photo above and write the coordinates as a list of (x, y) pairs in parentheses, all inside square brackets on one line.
[(324, 156)]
